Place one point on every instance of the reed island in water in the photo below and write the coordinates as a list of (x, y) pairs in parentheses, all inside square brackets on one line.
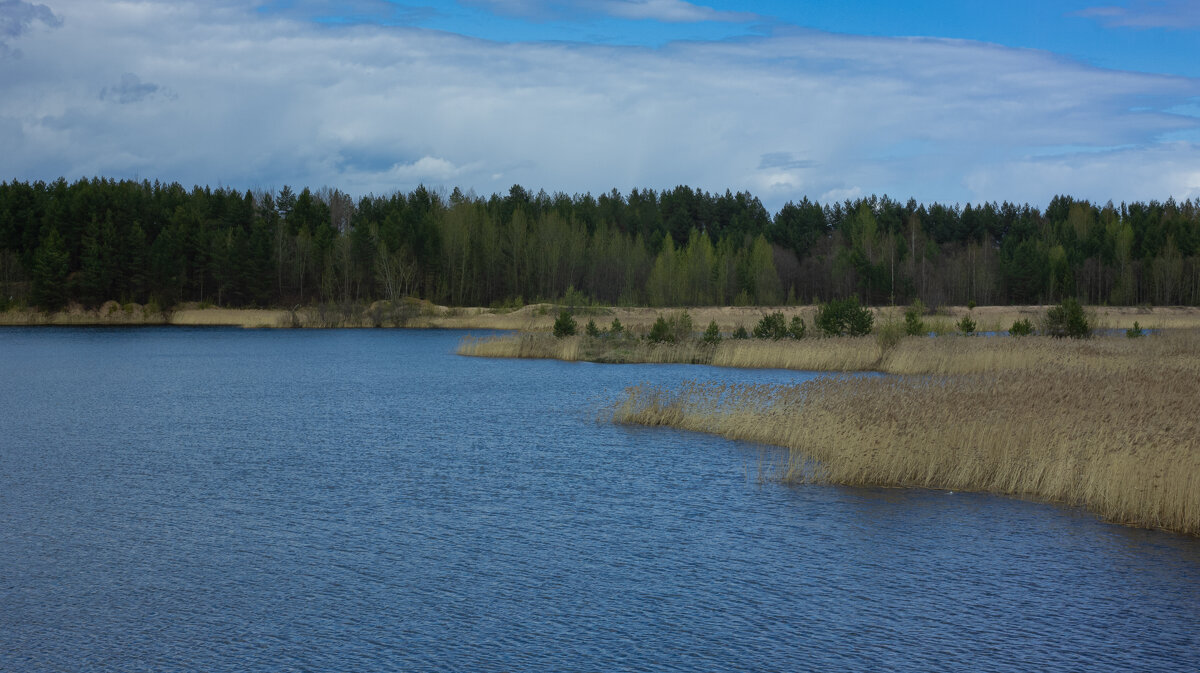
[(1109, 423)]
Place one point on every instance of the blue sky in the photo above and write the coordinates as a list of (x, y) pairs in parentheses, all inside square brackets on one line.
[(939, 100), (1156, 37)]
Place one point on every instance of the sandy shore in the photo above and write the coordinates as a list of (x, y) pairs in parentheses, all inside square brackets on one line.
[(540, 317)]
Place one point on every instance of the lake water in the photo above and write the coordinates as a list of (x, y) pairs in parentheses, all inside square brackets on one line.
[(231, 500)]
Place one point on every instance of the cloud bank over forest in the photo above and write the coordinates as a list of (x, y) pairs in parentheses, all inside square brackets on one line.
[(225, 93)]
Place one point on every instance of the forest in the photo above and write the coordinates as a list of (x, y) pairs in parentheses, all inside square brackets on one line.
[(100, 239)]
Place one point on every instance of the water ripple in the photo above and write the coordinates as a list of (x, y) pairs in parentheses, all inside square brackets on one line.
[(230, 500)]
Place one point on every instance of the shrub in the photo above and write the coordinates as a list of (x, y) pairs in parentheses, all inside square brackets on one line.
[(971, 305), (844, 316), (913, 325), (1135, 331), (797, 328), (590, 329), (617, 328), (712, 335), (661, 332), (741, 333), (575, 298), (1021, 328), (966, 326), (564, 325), (681, 325), (890, 334), (772, 326), (1068, 320)]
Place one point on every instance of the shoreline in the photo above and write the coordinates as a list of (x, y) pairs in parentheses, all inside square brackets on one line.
[(539, 318), (1110, 425)]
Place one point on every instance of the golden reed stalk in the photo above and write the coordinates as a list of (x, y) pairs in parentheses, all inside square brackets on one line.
[(914, 355), (1113, 426)]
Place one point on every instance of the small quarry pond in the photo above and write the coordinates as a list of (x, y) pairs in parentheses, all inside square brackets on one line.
[(233, 500)]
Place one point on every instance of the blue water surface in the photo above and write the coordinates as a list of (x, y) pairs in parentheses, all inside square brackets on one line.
[(238, 500)]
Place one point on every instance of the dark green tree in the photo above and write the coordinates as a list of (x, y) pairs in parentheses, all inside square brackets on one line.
[(564, 325), (771, 326), (661, 331), (844, 317), (1068, 319), (49, 273)]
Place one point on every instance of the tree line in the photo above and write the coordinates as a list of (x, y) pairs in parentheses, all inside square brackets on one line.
[(100, 239)]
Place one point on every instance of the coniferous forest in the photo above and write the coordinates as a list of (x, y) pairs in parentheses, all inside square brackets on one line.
[(96, 240)]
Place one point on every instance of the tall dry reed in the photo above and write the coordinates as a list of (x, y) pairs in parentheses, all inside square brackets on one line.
[(583, 348), (913, 355), (1120, 438)]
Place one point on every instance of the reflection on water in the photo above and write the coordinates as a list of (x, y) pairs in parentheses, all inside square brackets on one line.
[(230, 500)]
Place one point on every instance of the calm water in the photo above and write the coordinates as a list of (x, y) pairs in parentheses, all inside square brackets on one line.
[(227, 500)]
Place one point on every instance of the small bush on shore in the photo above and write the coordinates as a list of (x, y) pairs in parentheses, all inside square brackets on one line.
[(672, 329), (889, 334), (1135, 331), (844, 317), (564, 325), (617, 328), (741, 333), (797, 328), (1021, 328), (1068, 319), (772, 326), (661, 332), (681, 325), (966, 325), (712, 335), (591, 330), (913, 324)]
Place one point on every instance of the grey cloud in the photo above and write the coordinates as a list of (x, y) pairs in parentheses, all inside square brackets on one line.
[(785, 160), (16, 17), (274, 100), (1171, 14), (131, 89), (350, 11)]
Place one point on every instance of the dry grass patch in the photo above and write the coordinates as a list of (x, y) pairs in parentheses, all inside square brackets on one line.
[(1110, 429), (912, 355), (617, 350)]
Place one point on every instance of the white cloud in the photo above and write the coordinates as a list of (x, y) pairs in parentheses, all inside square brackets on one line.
[(426, 169), (1159, 172), (259, 100), (841, 194), (675, 11), (1171, 14), (670, 11)]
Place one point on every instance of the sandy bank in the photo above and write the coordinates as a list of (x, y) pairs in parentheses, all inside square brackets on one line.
[(540, 317)]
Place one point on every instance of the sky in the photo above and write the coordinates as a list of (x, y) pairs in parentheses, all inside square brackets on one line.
[(936, 100)]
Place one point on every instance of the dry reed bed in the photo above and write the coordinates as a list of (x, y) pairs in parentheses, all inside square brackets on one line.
[(578, 348), (810, 354), (1114, 428), (942, 355)]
